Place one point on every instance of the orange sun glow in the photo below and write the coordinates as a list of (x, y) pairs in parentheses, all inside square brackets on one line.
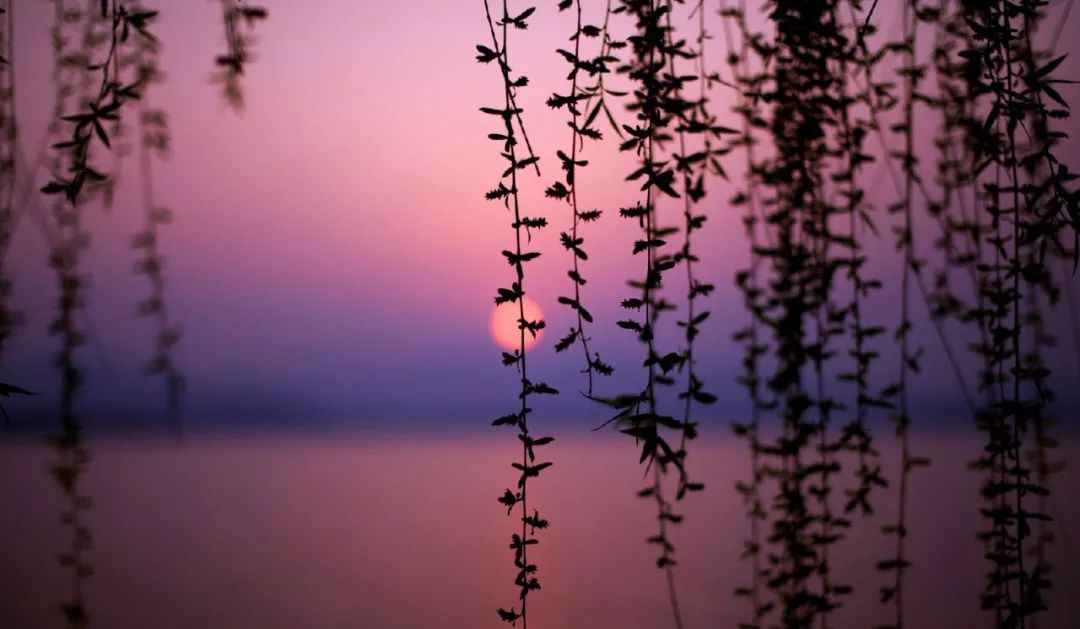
[(504, 324)]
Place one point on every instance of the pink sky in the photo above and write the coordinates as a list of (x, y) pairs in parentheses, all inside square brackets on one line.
[(332, 246)]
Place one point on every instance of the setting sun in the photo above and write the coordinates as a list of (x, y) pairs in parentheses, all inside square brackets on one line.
[(504, 324)]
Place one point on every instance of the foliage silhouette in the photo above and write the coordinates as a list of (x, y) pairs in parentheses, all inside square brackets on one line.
[(239, 22), (153, 140), (1002, 208), (567, 189), (104, 61), (8, 180), (816, 95), (510, 115), (748, 110)]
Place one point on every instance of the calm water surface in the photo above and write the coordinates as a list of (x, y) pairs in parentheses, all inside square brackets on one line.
[(388, 531)]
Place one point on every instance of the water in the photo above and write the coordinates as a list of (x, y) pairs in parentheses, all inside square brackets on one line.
[(393, 531)]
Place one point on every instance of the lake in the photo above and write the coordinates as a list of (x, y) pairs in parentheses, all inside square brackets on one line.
[(396, 530)]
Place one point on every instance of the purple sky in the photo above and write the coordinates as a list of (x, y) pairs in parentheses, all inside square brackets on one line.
[(333, 258)]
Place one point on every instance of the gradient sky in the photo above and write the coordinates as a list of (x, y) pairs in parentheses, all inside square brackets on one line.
[(333, 258)]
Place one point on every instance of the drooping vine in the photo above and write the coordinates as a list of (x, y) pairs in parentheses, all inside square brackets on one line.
[(857, 436), (657, 104), (598, 68), (8, 177), (153, 141), (1005, 210), (105, 100), (1031, 214), (1039, 455), (508, 193), (67, 239), (1043, 294), (575, 101), (239, 20), (912, 72), (95, 45), (748, 109), (804, 91), (694, 123)]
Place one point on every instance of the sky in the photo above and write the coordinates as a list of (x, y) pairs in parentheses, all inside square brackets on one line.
[(333, 261)]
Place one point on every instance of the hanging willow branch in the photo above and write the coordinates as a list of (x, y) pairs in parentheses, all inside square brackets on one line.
[(510, 115), (154, 140), (799, 81), (748, 108), (909, 360), (104, 104), (694, 123), (657, 105), (857, 436), (8, 174), (1032, 214), (239, 21), (1005, 209), (67, 238), (567, 189), (1037, 77)]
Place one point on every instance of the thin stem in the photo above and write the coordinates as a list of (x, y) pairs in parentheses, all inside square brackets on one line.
[(1017, 406), (525, 580)]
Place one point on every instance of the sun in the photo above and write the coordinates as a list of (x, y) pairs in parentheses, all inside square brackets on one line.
[(504, 324)]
